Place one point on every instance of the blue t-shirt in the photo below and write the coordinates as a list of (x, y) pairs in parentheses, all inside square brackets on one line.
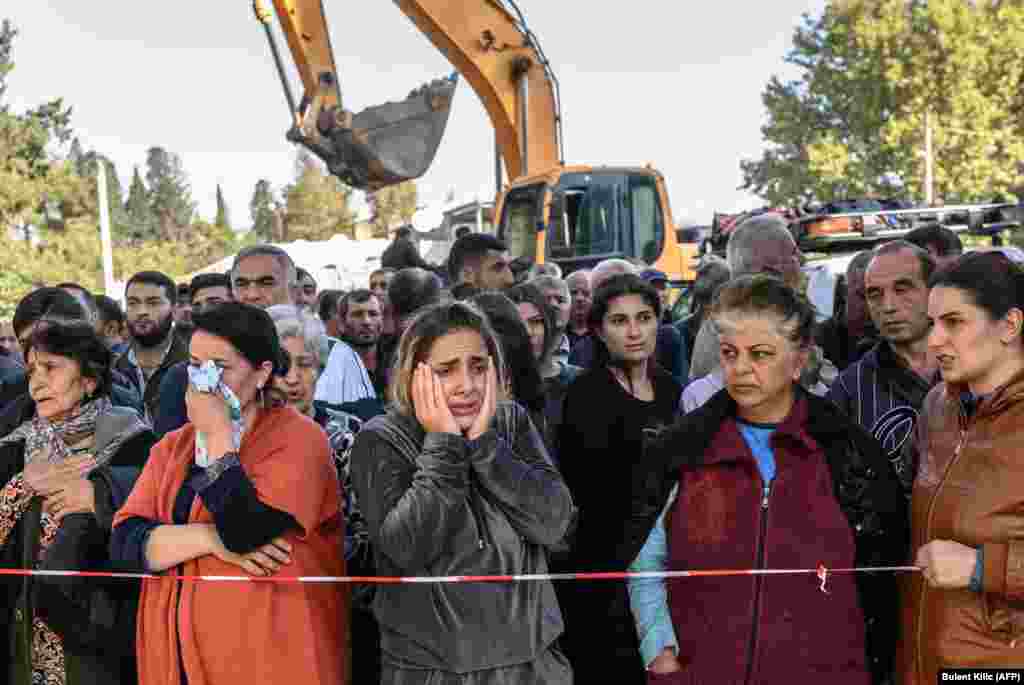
[(758, 437)]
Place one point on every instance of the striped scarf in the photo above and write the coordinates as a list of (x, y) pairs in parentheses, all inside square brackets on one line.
[(52, 439)]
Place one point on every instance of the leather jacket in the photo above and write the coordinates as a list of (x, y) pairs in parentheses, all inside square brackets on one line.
[(437, 504), (969, 489)]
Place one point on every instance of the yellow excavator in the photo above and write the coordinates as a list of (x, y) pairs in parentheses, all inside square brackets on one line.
[(574, 216)]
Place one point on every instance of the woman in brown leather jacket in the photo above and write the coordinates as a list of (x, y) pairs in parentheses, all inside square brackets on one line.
[(967, 606)]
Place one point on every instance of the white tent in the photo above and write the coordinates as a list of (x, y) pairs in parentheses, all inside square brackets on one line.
[(340, 262)]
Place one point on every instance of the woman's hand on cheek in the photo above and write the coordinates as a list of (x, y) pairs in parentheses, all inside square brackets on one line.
[(429, 402)]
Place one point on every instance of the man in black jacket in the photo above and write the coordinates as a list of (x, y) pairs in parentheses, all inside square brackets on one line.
[(402, 253), (884, 390), (154, 347)]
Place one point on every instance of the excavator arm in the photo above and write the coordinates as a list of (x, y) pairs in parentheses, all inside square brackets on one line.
[(489, 43), (486, 41)]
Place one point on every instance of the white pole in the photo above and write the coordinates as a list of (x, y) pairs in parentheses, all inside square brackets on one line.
[(108, 254), (929, 173)]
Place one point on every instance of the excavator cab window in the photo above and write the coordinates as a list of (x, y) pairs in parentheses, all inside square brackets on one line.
[(519, 219), (585, 215), (645, 216)]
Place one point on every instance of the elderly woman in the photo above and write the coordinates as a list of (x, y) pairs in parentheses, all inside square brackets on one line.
[(304, 340), (65, 471), (247, 486), (967, 511), (766, 476), (454, 480)]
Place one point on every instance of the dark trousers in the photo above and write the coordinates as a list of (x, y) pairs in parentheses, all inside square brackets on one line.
[(365, 648)]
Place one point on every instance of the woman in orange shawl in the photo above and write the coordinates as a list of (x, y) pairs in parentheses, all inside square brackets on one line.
[(248, 485)]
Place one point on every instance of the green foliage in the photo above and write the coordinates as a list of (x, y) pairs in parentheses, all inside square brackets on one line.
[(392, 207), (223, 219), (7, 35), (49, 211), (316, 205), (854, 120), (140, 224), (170, 197), (261, 209)]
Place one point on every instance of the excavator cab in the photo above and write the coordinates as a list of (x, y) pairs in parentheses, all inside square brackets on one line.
[(579, 216)]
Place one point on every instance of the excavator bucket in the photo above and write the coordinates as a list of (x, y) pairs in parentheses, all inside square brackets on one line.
[(386, 144)]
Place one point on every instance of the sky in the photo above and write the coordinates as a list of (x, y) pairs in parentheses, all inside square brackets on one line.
[(645, 81)]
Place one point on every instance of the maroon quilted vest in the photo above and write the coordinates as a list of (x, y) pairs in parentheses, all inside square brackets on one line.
[(764, 629)]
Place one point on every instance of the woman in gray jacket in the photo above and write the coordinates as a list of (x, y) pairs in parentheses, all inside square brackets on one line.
[(455, 480)]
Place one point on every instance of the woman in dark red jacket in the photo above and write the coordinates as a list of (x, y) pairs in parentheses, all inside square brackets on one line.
[(764, 476)]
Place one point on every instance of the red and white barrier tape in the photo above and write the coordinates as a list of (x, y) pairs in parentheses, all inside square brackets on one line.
[(821, 572)]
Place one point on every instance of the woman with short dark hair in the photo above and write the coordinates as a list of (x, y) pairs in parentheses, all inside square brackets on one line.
[(65, 471), (764, 476), (967, 510), (455, 480), (248, 484)]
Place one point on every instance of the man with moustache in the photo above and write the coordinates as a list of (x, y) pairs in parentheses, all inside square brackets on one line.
[(885, 389), (153, 347), (263, 275), (305, 290), (361, 322), (556, 293), (581, 295)]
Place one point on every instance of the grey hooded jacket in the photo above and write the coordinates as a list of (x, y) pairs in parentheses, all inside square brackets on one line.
[(437, 504)]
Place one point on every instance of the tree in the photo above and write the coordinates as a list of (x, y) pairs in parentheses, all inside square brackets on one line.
[(139, 221), (869, 71), (170, 196), (223, 219), (7, 35), (960, 67), (261, 209), (34, 186), (50, 198), (316, 205), (392, 206)]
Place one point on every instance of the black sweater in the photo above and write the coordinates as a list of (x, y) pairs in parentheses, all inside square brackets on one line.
[(94, 618), (600, 439)]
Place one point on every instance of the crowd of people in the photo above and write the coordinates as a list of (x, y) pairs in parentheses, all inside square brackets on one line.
[(485, 419)]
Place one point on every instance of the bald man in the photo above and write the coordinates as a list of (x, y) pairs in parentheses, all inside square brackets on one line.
[(582, 294)]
